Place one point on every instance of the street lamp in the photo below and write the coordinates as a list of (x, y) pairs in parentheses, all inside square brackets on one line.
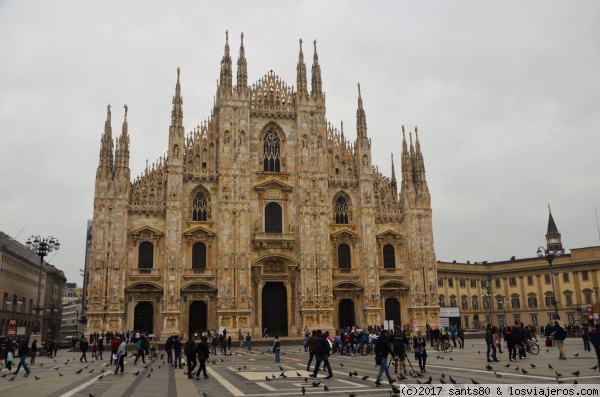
[(41, 247), (503, 302), (550, 255), (53, 309), (489, 301)]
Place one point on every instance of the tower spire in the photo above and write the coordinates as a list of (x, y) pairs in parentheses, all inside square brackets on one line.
[(301, 74), (553, 237), (423, 196), (361, 118), (177, 113), (226, 78), (407, 190), (317, 85), (242, 67), (105, 163), (122, 152)]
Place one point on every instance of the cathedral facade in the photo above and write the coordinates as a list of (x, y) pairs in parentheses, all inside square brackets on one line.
[(263, 216)]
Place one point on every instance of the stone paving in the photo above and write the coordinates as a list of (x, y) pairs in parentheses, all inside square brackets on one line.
[(243, 374)]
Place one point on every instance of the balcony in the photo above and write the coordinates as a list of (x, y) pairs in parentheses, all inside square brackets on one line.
[(345, 273), (274, 240), (194, 274), (391, 273), (145, 274)]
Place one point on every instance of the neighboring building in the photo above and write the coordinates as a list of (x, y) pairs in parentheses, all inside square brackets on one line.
[(19, 276), (521, 289), (70, 325), (264, 216), (72, 293)]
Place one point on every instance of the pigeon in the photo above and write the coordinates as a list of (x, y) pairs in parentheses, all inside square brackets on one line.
[(576, 355), (523, 371), (576, 373), (443, 382), (355, 373), (91, 395), (315, 384), (100, 377), (284, 376), (517, 369), (489, 367), (305, 379), (497, 375), (136, 373), (365, 377), (507, 365), (147, 376), (87, 365), (222, 360), (595, 367), (352, 395), (59, 374), (575, 382), (281, 368), (341, 364), (303, 390), (401, 377), (3, 376), (267, 378), (443, 375), (204, 394), (452, 380), (78, 372), (146, 366), (273, 376), (451, 359), (325, 388), (11, 379), (550, 366), (56, 367), (474, 381), (298, 374), (557, 374), (533, 365), (89, 372), (36, 378), (428, 382)]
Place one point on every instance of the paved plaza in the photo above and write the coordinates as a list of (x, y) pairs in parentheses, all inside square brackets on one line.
[(245, 374)]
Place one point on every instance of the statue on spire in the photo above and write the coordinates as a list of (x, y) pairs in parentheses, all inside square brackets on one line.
[(126, 108)]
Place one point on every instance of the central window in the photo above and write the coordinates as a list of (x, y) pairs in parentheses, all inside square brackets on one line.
[(341, 211), (344, 256), (199, 256), (272, 153), (273, 218), (389, 257), (146, 255), (199, 206)]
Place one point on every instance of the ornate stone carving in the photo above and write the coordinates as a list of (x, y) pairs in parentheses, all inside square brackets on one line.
[(273, 266)]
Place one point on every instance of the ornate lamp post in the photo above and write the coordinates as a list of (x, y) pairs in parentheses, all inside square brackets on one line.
[(41, 247), (489, 296), (550, 254)]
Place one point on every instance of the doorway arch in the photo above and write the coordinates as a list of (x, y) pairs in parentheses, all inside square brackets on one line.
[(346, 315), (392, 310), (274, 308), (198, 317), (143, 319)]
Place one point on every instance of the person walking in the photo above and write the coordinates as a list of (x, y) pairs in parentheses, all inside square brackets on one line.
[(229, 344), (34, 351), (190, 355), (249, 341), (460, 334), (119, 362), (139, 346), (453, 334), (83, 345), (277, 349), (496, 336), (169, 350), (382, 350), (585, 336), (322, 352), (312, 348), (595, 340), (100, 348), (114, 347), (559, 334), (203, 352), (23, 352), (399, 351), (491, 346), (153, 346), (241, 337), (177, 351), (419, 344)]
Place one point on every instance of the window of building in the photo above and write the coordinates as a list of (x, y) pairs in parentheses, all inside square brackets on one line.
[(199, 256), (344, 257), (271, 155), (547, 278), (566, 277), (549, 301), (473, 283), (462, 282), (199, 207), (389, 257), (486, 304), (483, 283), (440, 282), (341, 211), (475, 303), (453, 302), (516, 302), (587, 297), (500, 304), (530, 280), (146, 255), (273, 218), (585, 275), (497, 283), (464, 304), (450, 282), (442, 300), (512, 281), (569, 299), (532, 301)]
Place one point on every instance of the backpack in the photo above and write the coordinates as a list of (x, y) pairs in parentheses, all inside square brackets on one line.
[(138, 345)]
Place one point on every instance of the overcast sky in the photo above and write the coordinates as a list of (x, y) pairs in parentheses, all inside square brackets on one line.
[(505, 95)]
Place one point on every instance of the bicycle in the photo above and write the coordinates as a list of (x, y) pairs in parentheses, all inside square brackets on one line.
[(532, 347)]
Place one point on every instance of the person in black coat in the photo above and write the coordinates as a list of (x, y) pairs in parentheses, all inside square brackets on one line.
[(203, 352), (595, 340), (323, 350), (83, 345)]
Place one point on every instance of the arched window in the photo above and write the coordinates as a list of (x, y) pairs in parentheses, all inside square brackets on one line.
[(199, 256), (272, 154), (344, 261), (341, 211), (389, 257), (146, 256), (273, 218), (199, 206)]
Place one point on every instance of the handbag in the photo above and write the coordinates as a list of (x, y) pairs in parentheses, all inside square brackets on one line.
[(377, 359), (9, 357)]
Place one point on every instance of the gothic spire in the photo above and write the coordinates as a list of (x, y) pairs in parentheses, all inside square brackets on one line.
[(242, 67), (226, 78), (423, 196), (361, 118), (407, 187), (105, 163), (122, 152), (393, 172), (177, 113), (301, 74), (317, 85), (553, 238)]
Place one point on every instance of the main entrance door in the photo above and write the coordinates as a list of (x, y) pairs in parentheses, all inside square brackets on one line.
[(392, 310), (346, 313), (144, 317), (274, 309), (197, 317)]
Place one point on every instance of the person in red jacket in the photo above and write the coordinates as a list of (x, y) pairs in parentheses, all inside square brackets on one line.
[(114, 346)]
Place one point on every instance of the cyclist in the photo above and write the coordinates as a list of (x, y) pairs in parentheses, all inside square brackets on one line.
[(399, 351), (444, 337)]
